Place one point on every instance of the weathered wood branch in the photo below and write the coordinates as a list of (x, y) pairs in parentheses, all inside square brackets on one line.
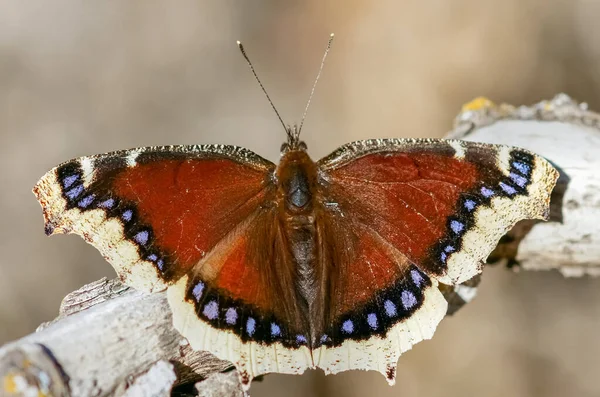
[(110, 340), (105, 339), (568, 135)]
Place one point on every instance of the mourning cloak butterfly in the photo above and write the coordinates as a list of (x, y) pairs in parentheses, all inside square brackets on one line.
[(332, 264)]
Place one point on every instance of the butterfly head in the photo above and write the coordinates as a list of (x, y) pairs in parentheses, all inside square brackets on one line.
[(293, 140)]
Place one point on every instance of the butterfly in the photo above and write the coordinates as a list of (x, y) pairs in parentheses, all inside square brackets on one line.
[(331, 264)]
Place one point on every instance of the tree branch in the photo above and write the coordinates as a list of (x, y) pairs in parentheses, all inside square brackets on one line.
[(105, 339), (567, 134)]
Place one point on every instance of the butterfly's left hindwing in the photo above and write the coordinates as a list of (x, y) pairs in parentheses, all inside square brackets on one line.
[(240, 304)]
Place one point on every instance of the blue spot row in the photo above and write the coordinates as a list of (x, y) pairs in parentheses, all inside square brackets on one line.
[(503, 185), (78, 196), (211, 311), (408, 300)]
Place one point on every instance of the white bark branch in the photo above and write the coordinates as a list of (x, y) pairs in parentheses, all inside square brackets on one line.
[(110, 340), (568, 135), (105, 339)]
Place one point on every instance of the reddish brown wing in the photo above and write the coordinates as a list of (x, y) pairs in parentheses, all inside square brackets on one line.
[(240, 302), (376, 303), (397, 216), (169, 205), (160, 213), (200, 219), (427, 197)]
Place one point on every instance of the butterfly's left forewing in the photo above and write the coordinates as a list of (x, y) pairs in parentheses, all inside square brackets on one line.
[(410, 214), (154, 212)]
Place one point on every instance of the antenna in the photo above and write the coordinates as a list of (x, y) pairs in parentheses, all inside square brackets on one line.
[(262, 86), (315, 84)]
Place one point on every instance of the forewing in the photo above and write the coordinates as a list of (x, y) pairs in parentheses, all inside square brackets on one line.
[(397, 217), (154, 212), (443, 204)]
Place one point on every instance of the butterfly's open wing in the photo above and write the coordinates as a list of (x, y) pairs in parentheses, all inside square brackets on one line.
[(154, 212), (412, 213), (199, 219), (240, 302), (377, 303)]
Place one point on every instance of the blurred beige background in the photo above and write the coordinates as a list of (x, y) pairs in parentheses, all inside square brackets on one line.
[(80, 78)]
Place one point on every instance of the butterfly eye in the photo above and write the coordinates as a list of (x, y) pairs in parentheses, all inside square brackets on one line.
[(302, 146), (285, 147)]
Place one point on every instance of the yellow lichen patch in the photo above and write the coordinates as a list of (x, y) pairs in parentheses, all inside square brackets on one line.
[(477, 104), (9, 385), (17, 385)]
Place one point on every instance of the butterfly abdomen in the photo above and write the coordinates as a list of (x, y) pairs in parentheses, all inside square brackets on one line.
[(297, 179)]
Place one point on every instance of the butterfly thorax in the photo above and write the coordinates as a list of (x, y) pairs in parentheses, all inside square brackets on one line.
[(297, 187)]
